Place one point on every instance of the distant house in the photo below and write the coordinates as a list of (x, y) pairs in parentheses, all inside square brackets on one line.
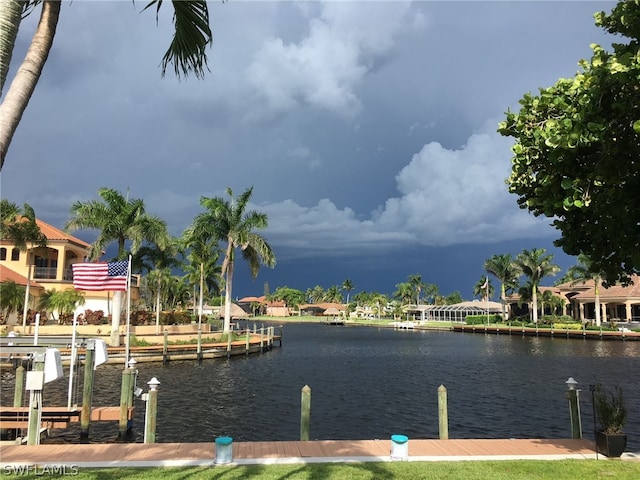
[(50, 268), (452, 313), (276, 308), (320, 309), (618, 303)]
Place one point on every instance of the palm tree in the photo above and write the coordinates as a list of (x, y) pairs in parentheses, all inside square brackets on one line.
[(483, 289), (581, 273), (161, 258), (535, 264), (11, 298), (347, 286), (378, 302), (333, 294), (504, 269), (63, 302), (230, 222), (119, 220), (404, 292), (20, 227), (316, 294), (21, 89), (431, 292), (416, 282), (186, 53), (202, 269), (552, 300)]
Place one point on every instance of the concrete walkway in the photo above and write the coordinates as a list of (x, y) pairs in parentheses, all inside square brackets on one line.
[(247, 453)]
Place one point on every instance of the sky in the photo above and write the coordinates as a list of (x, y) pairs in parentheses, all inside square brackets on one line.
[(367, 129)]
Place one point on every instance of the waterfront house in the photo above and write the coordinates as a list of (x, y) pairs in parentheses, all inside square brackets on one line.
[(618, 303), (45, 269)]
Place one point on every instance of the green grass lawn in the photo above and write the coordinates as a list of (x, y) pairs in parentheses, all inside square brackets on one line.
[(481, 470)]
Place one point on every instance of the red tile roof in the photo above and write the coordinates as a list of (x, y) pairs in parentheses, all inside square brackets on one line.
[(53, 233), (8, 274)]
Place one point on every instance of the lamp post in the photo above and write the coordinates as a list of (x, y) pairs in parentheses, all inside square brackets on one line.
[(573, 395), (152, 410)]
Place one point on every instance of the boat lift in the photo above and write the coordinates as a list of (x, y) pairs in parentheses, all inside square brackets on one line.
[(46, 366)]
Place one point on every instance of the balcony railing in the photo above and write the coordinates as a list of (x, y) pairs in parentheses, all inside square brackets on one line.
[(49, 273), (45, 273)]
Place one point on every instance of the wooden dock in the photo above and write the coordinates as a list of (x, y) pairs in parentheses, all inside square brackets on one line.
[(203, 454), (251, 344), (57, 417), (548, 332)]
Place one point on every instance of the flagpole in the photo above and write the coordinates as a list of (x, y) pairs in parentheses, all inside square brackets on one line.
[(127, 344)]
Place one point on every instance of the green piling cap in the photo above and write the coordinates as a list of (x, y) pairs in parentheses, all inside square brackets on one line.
[(399, 438), (224, 440)]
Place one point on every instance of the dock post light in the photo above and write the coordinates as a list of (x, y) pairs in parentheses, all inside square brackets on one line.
[(573, 395)]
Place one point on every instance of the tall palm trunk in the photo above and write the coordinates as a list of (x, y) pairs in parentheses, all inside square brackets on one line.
[(114, 340), (10, 18), (227, 299), (534, 303), (201, 299), (503, 298), (27, 76), (227, 267), (158, 307), (596, 292)]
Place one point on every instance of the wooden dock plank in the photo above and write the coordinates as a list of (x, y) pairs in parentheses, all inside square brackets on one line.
[(330, 449)]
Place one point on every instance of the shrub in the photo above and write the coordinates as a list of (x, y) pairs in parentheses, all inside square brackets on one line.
[(141, 317), (96, 317), (568, 326), (610, 409), (482, 319), (553, 319), (134, 342), (175, 318)]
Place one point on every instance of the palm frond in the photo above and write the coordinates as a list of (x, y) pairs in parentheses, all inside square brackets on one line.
[(187, 51)]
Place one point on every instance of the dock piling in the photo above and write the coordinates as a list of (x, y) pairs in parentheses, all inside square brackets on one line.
[(443, 415), (165, 347), (305, 413), (19, 388), (126, 399), (151, 411), (87, 390)]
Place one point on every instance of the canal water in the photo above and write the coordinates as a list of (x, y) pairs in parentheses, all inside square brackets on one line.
[(369, 382)]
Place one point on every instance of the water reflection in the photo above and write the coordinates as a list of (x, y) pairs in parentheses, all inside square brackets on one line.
[(369, 383)]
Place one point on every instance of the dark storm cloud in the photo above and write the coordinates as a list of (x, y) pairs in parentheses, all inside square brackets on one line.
[(366, 128)]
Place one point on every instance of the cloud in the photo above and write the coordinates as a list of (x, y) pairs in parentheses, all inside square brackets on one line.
[(447, 197), (323, 69)]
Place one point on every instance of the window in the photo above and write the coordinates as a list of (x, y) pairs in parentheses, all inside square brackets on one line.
[(15, 254), (3, 253)]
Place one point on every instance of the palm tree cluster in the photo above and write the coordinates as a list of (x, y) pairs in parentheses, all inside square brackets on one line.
[(226, 225), (197, 251), (534, 265)]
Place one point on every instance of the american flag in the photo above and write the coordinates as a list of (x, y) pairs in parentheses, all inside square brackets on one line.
[(100, 276)]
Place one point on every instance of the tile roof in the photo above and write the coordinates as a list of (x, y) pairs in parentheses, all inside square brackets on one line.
[(8, 274), (615, 291), (53, 233)]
